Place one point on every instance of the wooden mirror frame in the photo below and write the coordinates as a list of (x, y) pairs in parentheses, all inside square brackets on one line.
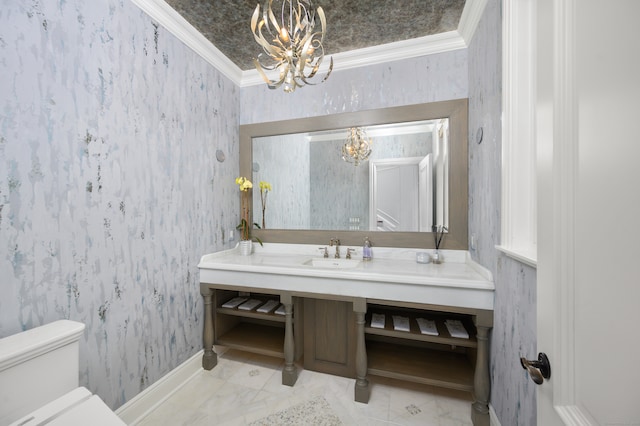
[(455, 110)]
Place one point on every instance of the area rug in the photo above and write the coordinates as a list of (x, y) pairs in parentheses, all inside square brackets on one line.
[(315, 412)]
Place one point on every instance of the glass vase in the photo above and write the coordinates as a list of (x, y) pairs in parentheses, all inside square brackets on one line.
[(246, 246)]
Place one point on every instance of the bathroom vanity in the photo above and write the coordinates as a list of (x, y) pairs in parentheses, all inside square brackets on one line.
[(327, 314)]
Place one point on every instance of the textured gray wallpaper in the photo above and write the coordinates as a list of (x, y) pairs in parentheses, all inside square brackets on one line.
[(425, 79), (109, 187), (513, 394)]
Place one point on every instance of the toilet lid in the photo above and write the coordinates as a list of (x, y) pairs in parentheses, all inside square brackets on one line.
[(92, 412), (76, 408)]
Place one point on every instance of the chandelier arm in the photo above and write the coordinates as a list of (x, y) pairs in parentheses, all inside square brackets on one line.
[(264, 22), (281, 64), (315, 67), (254, 19), (304, 78), (307, 38), (273, 84), (299, 27), (268, 67), (326, 76), (271, 50), (312, 34), (302, 10), (269, 16), (308, 57), (304, 54), (314, 48), (323, 22), (257, 35), (313, 72)]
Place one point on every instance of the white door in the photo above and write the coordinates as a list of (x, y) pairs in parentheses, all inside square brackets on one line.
[(589, 211), (425, 194), (394, 194)]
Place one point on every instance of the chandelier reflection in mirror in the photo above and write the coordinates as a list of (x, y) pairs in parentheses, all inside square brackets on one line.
[(358, 147), (293, 45)]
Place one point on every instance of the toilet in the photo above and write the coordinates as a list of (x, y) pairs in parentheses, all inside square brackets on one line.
[(39, 380)]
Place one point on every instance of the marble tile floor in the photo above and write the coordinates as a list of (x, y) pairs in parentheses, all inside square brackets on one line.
[(246, 389)]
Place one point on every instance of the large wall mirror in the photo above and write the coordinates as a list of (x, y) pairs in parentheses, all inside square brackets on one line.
[(414, 178)]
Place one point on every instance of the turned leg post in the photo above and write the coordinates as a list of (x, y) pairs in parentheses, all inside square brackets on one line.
[(289, 373), (210, 358), (362, 390), (481, 380)]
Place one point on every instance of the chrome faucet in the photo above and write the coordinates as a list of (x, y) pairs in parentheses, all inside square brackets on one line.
[(337, 244)]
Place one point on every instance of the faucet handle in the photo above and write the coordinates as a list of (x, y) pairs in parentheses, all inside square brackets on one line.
[(326, 253), (349, 251)]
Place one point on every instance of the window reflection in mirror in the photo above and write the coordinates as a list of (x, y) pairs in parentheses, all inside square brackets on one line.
[(402, 186)]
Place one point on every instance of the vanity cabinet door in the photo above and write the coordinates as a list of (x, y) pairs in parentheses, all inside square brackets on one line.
[(329, 337)]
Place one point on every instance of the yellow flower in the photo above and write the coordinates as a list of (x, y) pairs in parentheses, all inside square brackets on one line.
[(265, 186), (245, 227), (244, 183)]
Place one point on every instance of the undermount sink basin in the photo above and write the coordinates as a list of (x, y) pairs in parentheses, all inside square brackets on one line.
[(334, 263)]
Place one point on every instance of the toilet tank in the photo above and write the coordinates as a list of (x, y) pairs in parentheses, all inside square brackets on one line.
[(38, 366)]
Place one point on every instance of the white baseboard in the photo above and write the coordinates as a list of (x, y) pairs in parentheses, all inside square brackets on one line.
[(493, 417), (140, 405)]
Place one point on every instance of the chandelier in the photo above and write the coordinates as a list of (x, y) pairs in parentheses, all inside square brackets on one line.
[(293, 45), (357, 147)]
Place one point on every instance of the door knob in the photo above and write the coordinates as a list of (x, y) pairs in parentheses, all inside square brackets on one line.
[(538, 370)]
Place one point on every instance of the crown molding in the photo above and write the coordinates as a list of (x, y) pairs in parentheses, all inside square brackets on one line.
[(471, 14), (405, 49), (173, 22)]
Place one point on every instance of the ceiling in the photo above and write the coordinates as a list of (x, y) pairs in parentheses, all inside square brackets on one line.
[(351, 24)]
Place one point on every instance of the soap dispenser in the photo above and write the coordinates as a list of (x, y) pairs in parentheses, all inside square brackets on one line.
[(366, 250)]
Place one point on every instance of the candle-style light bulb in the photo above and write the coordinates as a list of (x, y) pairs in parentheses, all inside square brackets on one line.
[(284, 35)]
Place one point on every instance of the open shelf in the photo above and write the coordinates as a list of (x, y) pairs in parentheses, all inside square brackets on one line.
[(255, 338), (251, 314), (414, 333), (432, 367)]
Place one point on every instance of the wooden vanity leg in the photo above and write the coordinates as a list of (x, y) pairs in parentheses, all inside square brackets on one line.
[(362, 390), (289, 373), (481, 381), (210, 358)]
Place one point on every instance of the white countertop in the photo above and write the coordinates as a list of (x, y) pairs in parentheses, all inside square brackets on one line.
[(393, 274)]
